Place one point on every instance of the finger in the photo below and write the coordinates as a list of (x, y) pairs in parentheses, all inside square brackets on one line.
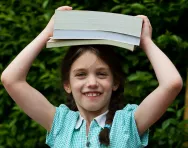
[(64, 8), (145, 20)]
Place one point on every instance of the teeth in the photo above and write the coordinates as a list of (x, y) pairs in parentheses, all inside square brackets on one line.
[(92, 94)]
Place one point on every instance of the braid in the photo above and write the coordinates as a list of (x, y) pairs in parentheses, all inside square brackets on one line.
[(115, 104)]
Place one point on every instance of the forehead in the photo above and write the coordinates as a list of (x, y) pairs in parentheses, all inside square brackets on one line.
[(88, 60)]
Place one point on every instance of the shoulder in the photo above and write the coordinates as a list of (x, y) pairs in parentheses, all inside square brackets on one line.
[(62, 108), (124, 128), (129, 108), (64, 114), (125, 117), (64, 120)]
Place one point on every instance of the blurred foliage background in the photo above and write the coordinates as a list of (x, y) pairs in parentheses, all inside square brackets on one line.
[(22, 20)]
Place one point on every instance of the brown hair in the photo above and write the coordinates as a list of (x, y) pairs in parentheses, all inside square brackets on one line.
[(113, 60)]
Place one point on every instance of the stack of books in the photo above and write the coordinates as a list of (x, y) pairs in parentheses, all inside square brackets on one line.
[(80, 27)]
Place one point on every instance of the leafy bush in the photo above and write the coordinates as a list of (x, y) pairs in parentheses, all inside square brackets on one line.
[(21, 21)]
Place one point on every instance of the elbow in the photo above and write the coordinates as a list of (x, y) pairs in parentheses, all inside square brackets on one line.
[(175, 85), (7, 82), (10, 78), (3, 78), (6, 79)]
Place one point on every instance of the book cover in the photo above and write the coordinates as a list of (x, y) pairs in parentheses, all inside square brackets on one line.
[(94, 20), (60, 43)]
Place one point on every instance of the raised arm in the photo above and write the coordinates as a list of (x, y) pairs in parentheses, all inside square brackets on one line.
[(170, 82), (14, 76)]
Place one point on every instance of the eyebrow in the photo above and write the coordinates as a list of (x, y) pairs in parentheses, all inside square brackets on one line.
[(85, 69)]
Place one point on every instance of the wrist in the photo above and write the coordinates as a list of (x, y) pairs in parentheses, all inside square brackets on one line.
[(145, 43), (46, 34), (43, 37)]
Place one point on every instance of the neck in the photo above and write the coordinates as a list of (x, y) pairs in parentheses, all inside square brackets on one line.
[(90, 115)]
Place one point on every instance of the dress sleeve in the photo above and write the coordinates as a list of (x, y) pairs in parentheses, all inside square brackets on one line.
[(129, 121), (58, 121)]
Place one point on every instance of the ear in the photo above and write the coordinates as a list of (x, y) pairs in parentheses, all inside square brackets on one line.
[(67, 87), (115, 86)]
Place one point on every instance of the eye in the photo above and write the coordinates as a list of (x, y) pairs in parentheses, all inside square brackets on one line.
[(102, 74), (81, 74)]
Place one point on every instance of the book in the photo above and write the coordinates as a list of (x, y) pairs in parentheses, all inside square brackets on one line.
[(87, 34), (80, 27), (95, 20), (60, 43)]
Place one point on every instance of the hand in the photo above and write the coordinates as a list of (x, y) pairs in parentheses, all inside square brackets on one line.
[(146, 31), (50, 26)]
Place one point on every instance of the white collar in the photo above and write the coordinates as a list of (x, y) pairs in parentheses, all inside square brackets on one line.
[(101, 119)]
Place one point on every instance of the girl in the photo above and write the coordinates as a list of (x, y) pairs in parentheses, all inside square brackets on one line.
[(94, 81)]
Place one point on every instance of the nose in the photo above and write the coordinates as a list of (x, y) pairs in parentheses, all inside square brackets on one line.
[(92, 82)]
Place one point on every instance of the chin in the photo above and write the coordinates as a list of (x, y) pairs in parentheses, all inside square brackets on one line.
[(93, 108)]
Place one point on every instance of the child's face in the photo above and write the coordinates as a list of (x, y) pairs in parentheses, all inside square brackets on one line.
[(91, 83)]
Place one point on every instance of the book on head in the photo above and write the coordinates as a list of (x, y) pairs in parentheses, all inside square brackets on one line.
[(80, 27)]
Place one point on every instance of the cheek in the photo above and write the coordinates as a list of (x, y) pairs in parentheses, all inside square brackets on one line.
[(76, 85), (76, 90), (107, 84)]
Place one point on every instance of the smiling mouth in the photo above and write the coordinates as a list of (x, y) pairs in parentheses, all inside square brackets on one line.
[(92, 94)]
